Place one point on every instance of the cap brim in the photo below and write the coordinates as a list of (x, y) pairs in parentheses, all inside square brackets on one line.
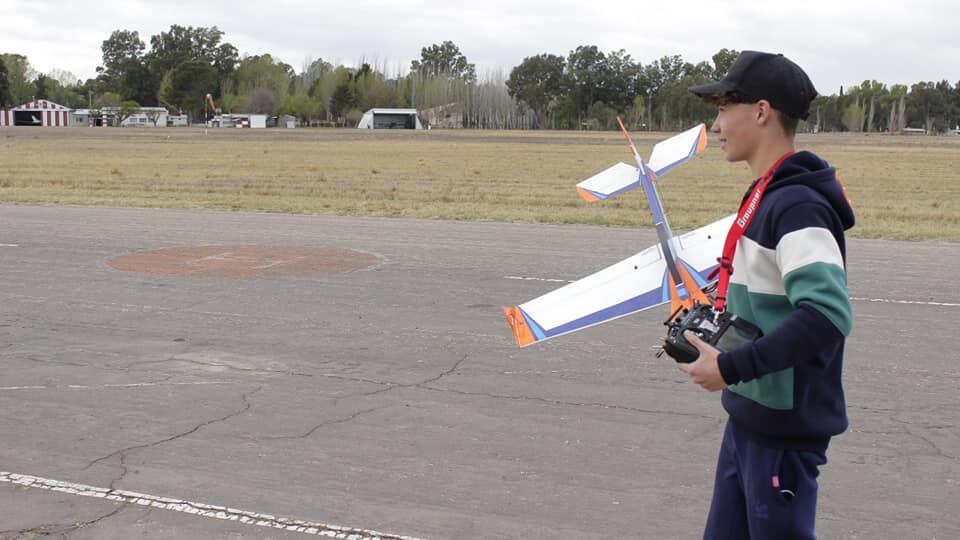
[(712, 89)]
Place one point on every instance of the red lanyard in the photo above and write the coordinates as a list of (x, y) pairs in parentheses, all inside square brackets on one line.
[(748, 209)]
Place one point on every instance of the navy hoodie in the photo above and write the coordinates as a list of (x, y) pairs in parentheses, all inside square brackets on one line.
[(789, 279)]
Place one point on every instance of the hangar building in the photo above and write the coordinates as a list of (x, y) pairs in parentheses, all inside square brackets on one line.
[(390, 119), (38, 113)]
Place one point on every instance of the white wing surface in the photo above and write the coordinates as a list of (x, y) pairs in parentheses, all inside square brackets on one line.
[(634, 284)]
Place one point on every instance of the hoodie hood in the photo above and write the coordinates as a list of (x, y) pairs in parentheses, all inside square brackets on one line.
[(805, 168)]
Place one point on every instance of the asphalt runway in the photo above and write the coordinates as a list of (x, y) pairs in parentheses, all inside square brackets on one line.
[(392, 398)]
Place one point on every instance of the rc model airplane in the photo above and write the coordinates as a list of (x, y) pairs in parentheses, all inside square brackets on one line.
[(675, 270)]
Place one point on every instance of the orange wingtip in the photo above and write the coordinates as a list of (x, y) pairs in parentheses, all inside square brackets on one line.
[(586, 195), (518, 326)]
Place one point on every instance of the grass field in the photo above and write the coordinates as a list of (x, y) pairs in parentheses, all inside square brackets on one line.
[(902, 187)]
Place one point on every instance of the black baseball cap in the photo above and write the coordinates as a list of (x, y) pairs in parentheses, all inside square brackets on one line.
[(757, 75)]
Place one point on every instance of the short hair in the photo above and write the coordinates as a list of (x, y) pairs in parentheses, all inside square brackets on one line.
[(787, 122)]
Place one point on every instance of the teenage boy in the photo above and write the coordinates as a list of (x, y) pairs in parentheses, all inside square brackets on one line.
[(783, 391)]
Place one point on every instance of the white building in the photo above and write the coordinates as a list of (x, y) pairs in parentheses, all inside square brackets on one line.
[(390, 119), (239, 120), (144, 117), (107, 116)]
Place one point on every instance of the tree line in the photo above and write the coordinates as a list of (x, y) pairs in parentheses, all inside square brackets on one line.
[(586, 89)]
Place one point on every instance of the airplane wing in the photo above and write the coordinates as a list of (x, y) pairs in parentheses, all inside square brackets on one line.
[(666, 155), (634, 284)]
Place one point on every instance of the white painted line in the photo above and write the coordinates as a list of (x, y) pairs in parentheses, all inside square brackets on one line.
[(9, 245), (126, 385), (916, 302), (538, 279), (199, 509), (854, 298)]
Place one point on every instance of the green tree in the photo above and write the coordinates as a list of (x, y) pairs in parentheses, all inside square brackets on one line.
[(255, 78), (601, 116), (153, 116), (302, 107), (637, 114), (680, 108), (341, 101), (186, 84), (317, 68), (956, 106), (827, 113), (122, 48), (444, 60), (261, 101), (6, 100), (722, 61), (371, 89), (854, 116), (20, 77), (108, 99), (583, 79), (180, 44), (127, 109), (657, 82), (537, 82), (40, 85), (928, 103), (63, 87), (124, 70)]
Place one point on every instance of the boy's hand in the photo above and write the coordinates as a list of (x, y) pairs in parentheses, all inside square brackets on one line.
[(705, 371)]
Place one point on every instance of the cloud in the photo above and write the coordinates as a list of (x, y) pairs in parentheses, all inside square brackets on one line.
[(838, 43)]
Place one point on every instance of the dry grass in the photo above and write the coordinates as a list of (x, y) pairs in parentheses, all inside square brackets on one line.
[(902, 187)]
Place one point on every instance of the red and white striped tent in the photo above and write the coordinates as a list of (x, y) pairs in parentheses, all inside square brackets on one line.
[(39, 112)]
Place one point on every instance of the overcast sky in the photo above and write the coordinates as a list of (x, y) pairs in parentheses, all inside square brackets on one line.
[(838, 42)]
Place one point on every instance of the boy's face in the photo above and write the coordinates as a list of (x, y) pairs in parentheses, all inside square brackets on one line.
[(738, 129)]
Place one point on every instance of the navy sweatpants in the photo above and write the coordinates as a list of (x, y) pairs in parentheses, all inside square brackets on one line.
[(762, 493)]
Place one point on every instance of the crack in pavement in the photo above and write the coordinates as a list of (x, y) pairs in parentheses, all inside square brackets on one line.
[(425, 385), (48, 530), (445, 373), (390, 386), (124, 451), (393, 384), (314, 429), (936, 450), (35, 359), (568, 403)]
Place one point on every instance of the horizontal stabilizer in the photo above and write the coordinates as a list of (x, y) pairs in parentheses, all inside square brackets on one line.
[(666, 155), (677, 149), (617, 179)]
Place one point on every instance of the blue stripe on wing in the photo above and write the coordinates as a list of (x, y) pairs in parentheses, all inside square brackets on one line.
[(599, 195), (651, 298)]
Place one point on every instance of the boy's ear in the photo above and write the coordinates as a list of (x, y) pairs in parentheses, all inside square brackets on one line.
[(764, 112)]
